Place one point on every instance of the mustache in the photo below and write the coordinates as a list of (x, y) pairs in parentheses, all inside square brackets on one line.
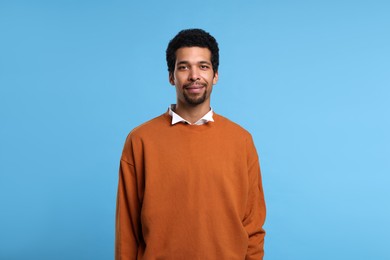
[(195, 84)]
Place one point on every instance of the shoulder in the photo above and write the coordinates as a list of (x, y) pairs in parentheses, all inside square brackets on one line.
[(228, 125), (233, 131), (150, 127)]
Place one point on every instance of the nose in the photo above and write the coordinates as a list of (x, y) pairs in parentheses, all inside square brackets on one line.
[(194, 74)]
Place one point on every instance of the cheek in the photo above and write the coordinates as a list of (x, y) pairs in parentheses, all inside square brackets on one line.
[(177, 79)]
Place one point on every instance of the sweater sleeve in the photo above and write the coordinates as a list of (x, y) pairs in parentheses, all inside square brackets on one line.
[(255, 211), (128, 228)]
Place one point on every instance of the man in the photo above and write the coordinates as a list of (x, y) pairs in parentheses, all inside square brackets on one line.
[(189, 180)]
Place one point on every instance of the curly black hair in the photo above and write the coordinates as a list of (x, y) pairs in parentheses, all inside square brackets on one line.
[(192, 38)]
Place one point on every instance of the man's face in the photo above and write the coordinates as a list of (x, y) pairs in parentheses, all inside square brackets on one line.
[(193, 76)]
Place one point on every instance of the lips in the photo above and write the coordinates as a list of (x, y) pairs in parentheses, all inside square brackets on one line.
[(194, 88)]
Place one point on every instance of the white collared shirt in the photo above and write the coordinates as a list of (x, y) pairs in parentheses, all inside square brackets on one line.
[(208, 117)]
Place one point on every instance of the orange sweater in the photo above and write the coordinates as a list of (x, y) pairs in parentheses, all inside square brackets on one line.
[(189, 192)]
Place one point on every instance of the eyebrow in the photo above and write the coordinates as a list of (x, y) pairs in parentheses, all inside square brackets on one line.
[(200, 62)]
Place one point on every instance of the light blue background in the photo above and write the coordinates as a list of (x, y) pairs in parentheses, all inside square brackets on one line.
[(309, 79)]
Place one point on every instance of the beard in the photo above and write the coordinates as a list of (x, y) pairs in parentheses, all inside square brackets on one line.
[(195, 100)]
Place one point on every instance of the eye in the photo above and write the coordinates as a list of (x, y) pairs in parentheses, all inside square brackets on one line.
[(204, 67), (182, 67)]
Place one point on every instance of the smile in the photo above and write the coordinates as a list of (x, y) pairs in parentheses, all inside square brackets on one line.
[(195, 88)]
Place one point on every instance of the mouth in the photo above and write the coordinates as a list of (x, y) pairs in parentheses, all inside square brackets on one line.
[(194, 88)]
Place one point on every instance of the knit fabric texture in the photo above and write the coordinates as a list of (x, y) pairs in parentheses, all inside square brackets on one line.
[(189, 192)]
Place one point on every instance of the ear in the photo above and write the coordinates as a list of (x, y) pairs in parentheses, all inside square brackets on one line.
[(171, 79), (215, 79)]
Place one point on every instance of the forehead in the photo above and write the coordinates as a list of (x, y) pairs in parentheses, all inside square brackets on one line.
[(193, 54)]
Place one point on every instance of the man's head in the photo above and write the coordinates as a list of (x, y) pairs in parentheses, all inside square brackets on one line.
[(192, 38), (192, 57)]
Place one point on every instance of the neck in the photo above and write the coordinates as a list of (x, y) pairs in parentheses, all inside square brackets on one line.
[(192, 113)]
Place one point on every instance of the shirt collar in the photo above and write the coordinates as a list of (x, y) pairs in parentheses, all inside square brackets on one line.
[(208, 117)]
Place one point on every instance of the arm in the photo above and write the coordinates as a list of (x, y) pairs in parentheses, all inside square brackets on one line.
[(255, 211), (128, 227)]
